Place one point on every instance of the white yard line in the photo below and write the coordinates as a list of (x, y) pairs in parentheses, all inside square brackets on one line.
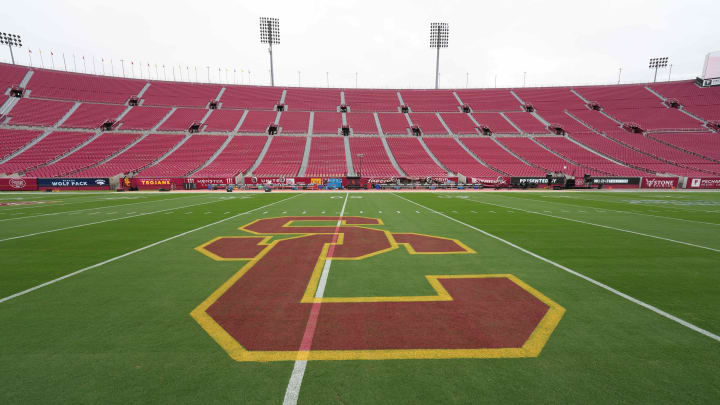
[(132, 252), (293, 388), (105, 220), (580, 275), (600, 226)]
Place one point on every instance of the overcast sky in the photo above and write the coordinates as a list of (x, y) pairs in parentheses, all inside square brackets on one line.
[(385, 42)]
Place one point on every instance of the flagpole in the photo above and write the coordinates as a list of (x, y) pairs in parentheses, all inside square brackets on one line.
[(64, 63), (30, 56), (52, 59), (42, 62)]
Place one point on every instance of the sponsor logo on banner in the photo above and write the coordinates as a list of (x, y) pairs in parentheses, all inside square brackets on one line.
[(616, 180), (92, 182), (659, 182), (17, 183), (705, 182), (158, 182)]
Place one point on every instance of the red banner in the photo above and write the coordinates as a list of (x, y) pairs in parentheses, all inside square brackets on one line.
[(156, 184), (659, 182), (204, 182), (18, 184), (709, 182)]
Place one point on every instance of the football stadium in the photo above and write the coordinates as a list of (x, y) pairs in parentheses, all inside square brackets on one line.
[(192, 224)]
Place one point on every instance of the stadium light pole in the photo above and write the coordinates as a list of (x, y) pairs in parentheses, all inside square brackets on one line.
[(439, 34), (619, 74), (11, 40), (270, 34), (658, 63), (670, 73)]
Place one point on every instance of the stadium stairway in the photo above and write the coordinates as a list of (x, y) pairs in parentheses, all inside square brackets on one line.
[(515, 155), (390, 155), (260, 157), (306, 157), (348, 157), (67, 114)]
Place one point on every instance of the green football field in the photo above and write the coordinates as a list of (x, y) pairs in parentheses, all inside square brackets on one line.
[(409, 298)]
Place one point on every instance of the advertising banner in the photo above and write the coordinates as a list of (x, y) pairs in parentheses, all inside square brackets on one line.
[(659, 182), (707, 182), (156, 184), (204, 182), (18, 184), (616, 182), (75, 184), (490, 181)]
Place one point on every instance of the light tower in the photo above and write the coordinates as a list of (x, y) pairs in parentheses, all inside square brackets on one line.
[(11, 40), (270, 34), (658, 63), (439, 33)]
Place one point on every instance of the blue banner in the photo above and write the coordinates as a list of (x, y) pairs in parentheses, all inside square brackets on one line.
[(89, 182)]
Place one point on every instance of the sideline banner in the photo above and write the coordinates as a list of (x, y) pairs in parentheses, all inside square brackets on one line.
[(204, 182), (156, 184), (708, 182), (18, 184), (75, 183), (659, 182), (617, 182)]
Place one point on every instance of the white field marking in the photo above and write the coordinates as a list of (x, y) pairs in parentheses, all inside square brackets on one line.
[(473, 212), (605, 226), (304, 212), (265, 212), (492, 211), (417, 212), (207, 212), (132, 252), (103, 221), (397, 212), (580, 275), (629, 212), (284, 212), (172, 212), (361, 212), (85, 209), (226, 212), (379, 212), (129, 213), (322, 212), (189, 212), (292, 392), (111, 213)]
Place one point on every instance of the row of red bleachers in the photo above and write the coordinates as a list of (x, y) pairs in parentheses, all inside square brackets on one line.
[(702, 143), (102, 147), (412, 158), (327, 157), (456, 159), (374, 161), (570, 150), (237, 157), (52, 146), (11, 140), (498, 158), (537, 155), (29, 111), (283, 158), (91, 116), (139, 155), (189, 156)]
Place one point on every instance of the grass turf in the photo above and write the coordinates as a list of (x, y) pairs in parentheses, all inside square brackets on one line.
[(122, 332)]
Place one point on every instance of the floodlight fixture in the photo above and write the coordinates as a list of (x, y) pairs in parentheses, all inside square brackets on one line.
[(439, 36), (270, 34), (658, 63), (11, 40)]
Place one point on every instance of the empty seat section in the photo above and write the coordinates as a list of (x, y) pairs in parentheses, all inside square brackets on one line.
[(456, 159), (283, 158), (180, 94), (596, 120), (372, 100), (413, 159), (576, 153), (251, 97), (703, 102), (182, 118), (11, 75), (617, 97), (294, 122), (362, 123), (30, 111), (83, 87), (535, 154), (527, 122), (459, 123), (430, 100), (498, 158), (327, 122), (550, 99), (495, 122), (93, 115), (667, 153), (101, 148), (655, 118), (374, 162), (327, 157), (12, 140), (563, 120), (489, 100), (394, 123), (189, 156), (624, 154), (257, 121), (703, 143), (139, 155), (304, 99), (429, 123), (237, 157), (51, 147), (223, 120), (143, 118)]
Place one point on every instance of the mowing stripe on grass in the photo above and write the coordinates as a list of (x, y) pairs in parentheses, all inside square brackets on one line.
[(293, 389), (577, 274), (601, 226), (612, 210), (132, 252), (103, 221)]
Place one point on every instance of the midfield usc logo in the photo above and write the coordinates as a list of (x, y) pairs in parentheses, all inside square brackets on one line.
[(270, 310)]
